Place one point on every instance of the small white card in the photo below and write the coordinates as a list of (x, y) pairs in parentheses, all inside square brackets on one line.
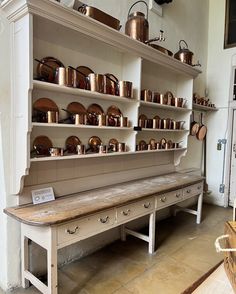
[(42, 195)]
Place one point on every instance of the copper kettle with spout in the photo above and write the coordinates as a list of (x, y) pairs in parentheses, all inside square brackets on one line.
[(137, 26)]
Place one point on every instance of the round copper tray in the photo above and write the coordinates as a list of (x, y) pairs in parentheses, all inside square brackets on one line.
[(163, 142), (114, 111), (92, 111), (94, 142), (153, 142), (41, 145), (83, 83), (142, 117), (71, 144), (44, 105), (44, 72), (76, 108), (142, 145)]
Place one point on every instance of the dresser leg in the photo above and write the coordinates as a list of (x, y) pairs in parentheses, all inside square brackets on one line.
[(122, 233), (199, 208), (152, 231), (24, 260), (52, 264)]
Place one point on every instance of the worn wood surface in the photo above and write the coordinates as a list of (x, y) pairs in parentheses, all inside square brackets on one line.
[(77, 205)]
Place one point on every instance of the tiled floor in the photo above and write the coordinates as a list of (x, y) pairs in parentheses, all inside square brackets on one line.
[(185, 252)]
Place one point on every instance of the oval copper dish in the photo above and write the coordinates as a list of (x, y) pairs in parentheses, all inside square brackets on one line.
[(83, 83), (94, 142), (111, 84), (114, 111), (142, 145), (41, 145), (162, 49), (71, 144), (44, 72), (76, 108)]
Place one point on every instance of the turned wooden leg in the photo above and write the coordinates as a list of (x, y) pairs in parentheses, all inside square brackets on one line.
[(152, 231)]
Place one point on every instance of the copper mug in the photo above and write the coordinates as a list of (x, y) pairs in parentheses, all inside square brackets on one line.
[(80, 119), (156, 123), (56, 151), (52, 116), (121, 147), (80, 149), (123, 122)]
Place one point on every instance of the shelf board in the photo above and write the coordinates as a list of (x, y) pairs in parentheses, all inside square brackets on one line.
[(163, 130), (96, 155), (204, 108), (162, 106), (80, 92), (55, 125)]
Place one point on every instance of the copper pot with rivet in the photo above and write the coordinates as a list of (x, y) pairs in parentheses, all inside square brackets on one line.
[(137, 26)]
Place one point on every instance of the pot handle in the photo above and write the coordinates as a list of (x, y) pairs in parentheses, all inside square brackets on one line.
[(135, 4), (186, 45)]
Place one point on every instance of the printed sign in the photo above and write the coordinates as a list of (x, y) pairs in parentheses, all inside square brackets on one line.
[(42, 195)]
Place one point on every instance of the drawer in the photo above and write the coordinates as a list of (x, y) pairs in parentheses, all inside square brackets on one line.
[(79, 229), (193, 190), (134, 209), (169, 198)]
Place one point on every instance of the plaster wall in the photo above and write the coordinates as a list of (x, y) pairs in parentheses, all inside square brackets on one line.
[(180, 21), (219, 71)]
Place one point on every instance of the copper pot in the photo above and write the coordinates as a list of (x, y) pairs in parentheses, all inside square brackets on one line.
[(146, 95), (67, 76), (165, 123), (178, 102), (97, 83), (137, 26), (126, 89), (177, 125)]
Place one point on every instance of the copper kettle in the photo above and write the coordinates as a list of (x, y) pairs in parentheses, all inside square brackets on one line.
[(185, 55), (137, 26)]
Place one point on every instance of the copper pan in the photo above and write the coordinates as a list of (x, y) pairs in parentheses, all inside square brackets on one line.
[(201, 134)]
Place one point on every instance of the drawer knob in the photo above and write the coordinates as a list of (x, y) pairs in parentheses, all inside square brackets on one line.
[(163, 199), (71, 232), (199, 187), (127, 212), (189, 191), (147, 205), (104, 220), (177, 195)]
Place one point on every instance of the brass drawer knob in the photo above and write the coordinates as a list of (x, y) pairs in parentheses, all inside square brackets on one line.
[(189, 191), (178, 195), (127, 212), (199, 187), (163, 199), (71, 232), (147, 205), (104, 220)]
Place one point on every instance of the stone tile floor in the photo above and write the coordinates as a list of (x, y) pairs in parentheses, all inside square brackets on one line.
[(185, 252)]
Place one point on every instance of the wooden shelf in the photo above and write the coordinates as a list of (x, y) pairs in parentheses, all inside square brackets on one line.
[(80, 92), (72, 126), (162, 106), (204, 108), (95, 155)]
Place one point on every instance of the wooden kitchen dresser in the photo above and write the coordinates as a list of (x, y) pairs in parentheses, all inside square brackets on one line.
[(70, 219)]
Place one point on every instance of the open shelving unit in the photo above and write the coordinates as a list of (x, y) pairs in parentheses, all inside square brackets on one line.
[(85, 41)]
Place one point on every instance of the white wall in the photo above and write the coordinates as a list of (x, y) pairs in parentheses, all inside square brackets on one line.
[(182, 20), (218, 80)]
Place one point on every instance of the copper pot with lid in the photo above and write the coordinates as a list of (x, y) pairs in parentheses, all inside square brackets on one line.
[(137, 26), (184, 54)]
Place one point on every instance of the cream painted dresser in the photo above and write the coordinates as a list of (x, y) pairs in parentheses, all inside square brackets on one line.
[(70, 219)]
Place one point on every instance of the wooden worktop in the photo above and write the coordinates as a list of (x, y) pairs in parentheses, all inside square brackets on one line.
[(78, 205)]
